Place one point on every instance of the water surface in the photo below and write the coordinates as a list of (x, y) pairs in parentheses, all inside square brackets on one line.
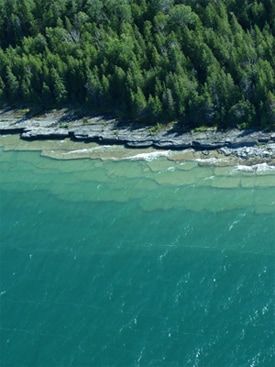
[(135, 263)]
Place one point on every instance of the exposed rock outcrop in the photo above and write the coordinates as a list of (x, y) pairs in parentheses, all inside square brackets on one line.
[(63, 124)]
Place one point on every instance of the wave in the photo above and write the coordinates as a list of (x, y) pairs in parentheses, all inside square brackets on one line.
[(256, 168), (209, 161), (87, 150), (149, 156)]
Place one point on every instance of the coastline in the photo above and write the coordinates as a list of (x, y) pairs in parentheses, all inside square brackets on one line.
[(87, 137)]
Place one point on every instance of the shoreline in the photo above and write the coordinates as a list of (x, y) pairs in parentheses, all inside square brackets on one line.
[(152, 168), (235, 146)]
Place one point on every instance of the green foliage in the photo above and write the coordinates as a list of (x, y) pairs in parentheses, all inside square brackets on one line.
[(58, 87), (2, 86), (12, 85), (192, 61)]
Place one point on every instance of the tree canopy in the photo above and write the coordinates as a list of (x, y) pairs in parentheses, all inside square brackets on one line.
[(199, 62)]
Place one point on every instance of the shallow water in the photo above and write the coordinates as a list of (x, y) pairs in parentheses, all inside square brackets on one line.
[(135, 263)]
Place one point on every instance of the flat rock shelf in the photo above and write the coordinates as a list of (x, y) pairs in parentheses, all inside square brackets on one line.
[(61, 124)]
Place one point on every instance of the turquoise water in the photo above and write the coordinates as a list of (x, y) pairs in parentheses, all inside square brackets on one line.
[(135, 264)]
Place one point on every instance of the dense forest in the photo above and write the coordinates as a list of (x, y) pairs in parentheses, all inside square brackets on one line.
[(198, 62)]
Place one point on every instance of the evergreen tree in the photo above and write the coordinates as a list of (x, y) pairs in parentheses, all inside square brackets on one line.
[(59, 89), (12, 85), (194, 61), (138, 102), (2, 87), (154, 107)]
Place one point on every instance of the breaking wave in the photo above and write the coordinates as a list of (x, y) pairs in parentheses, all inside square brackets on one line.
[(256, 168), (149, 156)]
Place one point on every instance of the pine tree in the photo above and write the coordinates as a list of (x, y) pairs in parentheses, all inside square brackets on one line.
[(154, 107), (12, 85), (59, 89), (169, 104), (138, 102), (2, 88), (271, 110), (46, 95)]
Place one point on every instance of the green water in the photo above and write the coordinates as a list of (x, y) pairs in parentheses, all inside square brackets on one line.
[(135, 264)]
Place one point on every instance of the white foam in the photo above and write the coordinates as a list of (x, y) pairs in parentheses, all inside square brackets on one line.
[(209, 178), (88, 150), (264, 167), (149, 156), (209, 161), (243, 168), (256, 168), (233, 225)]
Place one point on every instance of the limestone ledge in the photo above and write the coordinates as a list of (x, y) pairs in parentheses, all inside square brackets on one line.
[(60, 124)]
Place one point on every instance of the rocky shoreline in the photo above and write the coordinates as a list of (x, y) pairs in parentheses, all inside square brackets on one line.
[(62, 124)]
